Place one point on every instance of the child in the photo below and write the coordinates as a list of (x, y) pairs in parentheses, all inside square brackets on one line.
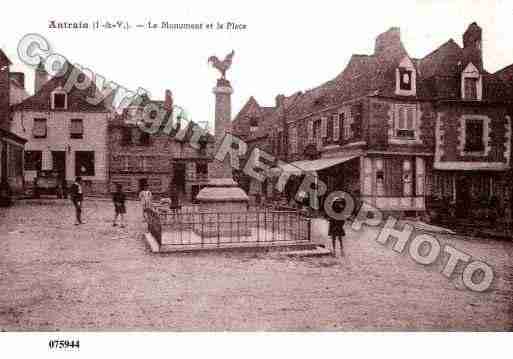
[(77, 196), (119, 200), (336, 226), (146, 200)]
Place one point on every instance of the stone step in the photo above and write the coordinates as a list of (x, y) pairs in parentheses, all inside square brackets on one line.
[(320, 251)]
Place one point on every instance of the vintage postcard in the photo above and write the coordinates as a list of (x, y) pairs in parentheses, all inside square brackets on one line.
[(260, 167)]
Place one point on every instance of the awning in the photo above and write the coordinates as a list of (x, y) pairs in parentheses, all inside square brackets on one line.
[(299, 167)]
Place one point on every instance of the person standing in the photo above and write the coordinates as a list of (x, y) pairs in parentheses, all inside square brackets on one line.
[(77, 196), (336, 226), (119, 199), (146, 201)]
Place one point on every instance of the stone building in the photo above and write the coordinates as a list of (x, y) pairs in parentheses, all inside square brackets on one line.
[(402, 133), (158, 160), (11, 145), (252, 124), (65, 130)]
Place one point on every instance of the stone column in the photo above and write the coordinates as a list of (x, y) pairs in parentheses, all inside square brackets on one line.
[(222, 193), (223, 111)]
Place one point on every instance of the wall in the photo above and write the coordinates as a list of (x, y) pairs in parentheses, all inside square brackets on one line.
[(450, 138), (58, 139)]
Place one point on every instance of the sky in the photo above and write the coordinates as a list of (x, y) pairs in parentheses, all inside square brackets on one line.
[(287, 46)]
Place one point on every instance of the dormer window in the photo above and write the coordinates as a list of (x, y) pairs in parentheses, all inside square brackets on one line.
[(471, 84), (253, 125), (406, 78), (59, 100)]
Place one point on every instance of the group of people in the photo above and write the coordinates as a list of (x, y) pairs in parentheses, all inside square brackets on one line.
[(118, 199)]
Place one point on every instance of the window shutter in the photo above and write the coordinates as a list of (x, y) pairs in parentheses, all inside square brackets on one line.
[(76, 127), (336, 127), (310, 131), (409, 119), (324, 127)]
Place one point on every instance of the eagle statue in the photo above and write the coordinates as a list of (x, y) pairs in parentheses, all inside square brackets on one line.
[(222, 66)]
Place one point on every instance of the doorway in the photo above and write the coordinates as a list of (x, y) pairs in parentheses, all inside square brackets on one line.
[(179, 176), (143, 182), (463, 196), (59, 166)]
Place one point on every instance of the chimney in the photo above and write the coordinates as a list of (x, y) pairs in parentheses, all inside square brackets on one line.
[(279, 100), (40, 78), (18, 77), (168, 101), (388, 41), (472, 44)]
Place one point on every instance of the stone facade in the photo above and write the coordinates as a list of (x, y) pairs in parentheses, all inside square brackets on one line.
[(413, 124), (159, 159)]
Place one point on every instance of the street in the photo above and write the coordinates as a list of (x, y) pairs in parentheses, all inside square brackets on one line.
[(58, 276)]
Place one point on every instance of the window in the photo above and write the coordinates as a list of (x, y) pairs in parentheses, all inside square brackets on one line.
[(39, 129), (405, 122), (15, 163), (202, 169), (324, 127), (126, 136), (310, 131), (471, 88), (60, 101), (33, 160), (347, 121), (253, 124), (474, 131), (471, 83), (317, 133), (280, 143), (405, 79), (293, 139), (76, 129), (336, 126), (84, 163)]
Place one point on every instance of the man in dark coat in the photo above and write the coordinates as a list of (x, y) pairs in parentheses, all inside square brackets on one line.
[(77, 196)]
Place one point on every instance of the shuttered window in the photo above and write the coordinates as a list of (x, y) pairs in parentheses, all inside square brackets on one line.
[(293, 139), (336, 127), (310, 130), (324, 127), (39, 129), (76, 128)]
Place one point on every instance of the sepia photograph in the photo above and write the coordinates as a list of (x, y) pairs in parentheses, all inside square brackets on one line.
[(280, 169)]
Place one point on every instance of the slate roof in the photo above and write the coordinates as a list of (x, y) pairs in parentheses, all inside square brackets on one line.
[(77, 98), (438, 78), (122, 120)]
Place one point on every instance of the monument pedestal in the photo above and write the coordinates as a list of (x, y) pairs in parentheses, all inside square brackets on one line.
[(222, 195), (222, 198)]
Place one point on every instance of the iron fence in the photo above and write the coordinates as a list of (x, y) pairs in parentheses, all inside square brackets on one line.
[(188, 228)]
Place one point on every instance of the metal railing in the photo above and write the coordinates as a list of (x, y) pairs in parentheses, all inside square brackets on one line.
[(211, 229)]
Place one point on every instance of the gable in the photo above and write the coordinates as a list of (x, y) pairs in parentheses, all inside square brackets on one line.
[(471, 69)]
